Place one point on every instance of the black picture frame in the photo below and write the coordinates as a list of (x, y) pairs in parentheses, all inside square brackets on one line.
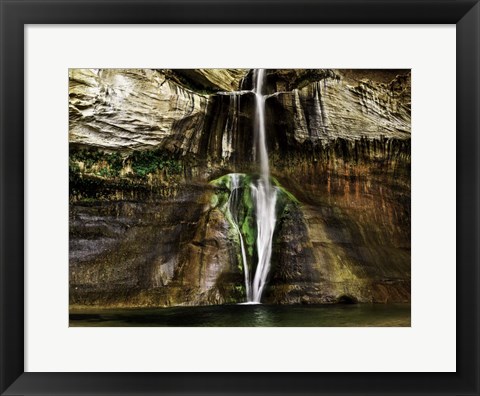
[(15, 14)]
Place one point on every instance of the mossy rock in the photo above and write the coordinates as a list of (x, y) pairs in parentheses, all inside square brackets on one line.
[(245, 217)]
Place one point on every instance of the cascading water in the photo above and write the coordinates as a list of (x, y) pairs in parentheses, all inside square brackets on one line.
[(233, 205), (263, 194)]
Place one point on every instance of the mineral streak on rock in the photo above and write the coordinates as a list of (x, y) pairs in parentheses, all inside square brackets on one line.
[(148, 228)]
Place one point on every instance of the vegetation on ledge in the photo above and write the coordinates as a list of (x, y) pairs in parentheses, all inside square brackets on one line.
[(94, 174)]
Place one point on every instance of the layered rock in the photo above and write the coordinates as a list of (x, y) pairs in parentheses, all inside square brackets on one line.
[(211, 80), (147, 227), (131, 109), (328, 109), (350, 237), (172, 251)]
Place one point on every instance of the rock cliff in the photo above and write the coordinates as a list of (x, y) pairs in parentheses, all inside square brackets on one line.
[(147, 225)]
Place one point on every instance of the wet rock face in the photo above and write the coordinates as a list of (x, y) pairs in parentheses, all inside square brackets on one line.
[(147, 227), (158, 253), (134, 109), (351, 244), (328, 109), (349, 238), (130, 109), (140, 109), (228, 129)]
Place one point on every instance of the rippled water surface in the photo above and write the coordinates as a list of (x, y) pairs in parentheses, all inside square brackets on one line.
[(355, 315)]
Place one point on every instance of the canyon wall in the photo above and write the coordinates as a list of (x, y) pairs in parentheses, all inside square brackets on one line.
[(148, 225)]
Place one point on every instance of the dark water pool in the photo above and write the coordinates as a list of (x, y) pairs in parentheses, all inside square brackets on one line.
[(355, 315)]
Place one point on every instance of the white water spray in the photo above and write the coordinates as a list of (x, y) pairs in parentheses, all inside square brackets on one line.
[(263, 194)]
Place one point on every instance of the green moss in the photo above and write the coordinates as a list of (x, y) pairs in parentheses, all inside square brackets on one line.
[(239, 290), (283, 194), (73, 172), (244, 213), (147, 162), (214, 200), (87, 200), (246, 218), (104, 172), (223, 182), (249, 231), (110, 165), (115, 162)]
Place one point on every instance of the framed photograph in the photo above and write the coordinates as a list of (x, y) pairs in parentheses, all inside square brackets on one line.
[(240, 197)]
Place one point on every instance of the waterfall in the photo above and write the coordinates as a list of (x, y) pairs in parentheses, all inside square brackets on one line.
[(263, 194), (233, 205)]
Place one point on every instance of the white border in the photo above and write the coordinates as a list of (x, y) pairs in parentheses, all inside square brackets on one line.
[(428, 346)]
